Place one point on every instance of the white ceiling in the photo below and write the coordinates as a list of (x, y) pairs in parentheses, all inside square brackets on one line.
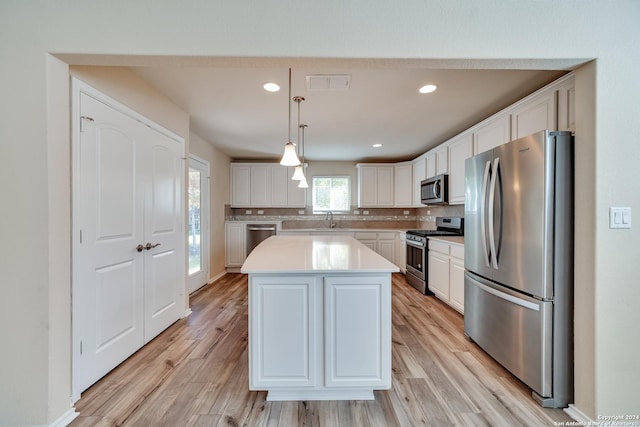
[(230, 109)]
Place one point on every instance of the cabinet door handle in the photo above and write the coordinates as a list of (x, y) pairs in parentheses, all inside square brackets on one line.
[(139, 248)]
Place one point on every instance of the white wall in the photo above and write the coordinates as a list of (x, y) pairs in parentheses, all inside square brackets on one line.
[(219, 196), (34, 263)]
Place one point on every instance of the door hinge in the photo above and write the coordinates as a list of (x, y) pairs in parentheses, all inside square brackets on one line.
[(82, 119), (80, 236), (80, 346)]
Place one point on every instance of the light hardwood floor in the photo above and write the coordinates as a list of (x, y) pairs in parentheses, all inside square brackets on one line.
[(196, 374)]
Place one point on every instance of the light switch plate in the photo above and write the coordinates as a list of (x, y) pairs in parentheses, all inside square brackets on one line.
[(619, 217)]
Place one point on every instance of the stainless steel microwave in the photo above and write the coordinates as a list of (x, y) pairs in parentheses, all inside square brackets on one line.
[(435, 190)]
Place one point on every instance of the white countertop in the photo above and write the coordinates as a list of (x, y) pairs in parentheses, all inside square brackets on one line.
[(315, 254), (449, 239)]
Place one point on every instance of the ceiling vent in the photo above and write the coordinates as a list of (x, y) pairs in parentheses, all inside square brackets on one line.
[(328, 81)]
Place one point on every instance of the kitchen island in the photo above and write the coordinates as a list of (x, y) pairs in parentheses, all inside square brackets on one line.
[(319, 318)]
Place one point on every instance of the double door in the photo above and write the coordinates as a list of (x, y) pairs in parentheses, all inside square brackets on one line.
[(130, 262)]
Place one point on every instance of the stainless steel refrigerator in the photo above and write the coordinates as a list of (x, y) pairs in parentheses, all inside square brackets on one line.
[(518, 251)]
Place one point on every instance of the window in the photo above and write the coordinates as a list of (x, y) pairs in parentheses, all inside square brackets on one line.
[(331, 193)]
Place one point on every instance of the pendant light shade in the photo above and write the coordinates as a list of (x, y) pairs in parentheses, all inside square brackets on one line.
[(298, 174), (303, 183), (290, 157)]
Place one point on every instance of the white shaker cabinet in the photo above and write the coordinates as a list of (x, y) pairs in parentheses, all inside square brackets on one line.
[(460, 149), (492, 133), (386, 243), (284, 331), (419, 173), (280, 186), (430, 162), (567, 106), (264, 185), (442, 160), (375, 185), (357, 320), (446, 272), (533, 115), (235, 244), (438, 263), (403, 191), (240, 185), (261, 186), (456, 277), (319, 337)]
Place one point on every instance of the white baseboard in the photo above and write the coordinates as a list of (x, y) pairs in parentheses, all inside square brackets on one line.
[(217, 276), (579, 416), (66, 418), (187, 313)]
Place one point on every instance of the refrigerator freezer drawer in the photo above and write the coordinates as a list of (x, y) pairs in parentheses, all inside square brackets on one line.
[(514, 329)]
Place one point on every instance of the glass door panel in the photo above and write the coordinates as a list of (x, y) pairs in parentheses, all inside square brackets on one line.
[(195, 235)]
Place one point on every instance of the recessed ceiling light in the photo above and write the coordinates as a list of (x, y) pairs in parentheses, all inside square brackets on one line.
[(428, 89), (377, 145), (271, 87)]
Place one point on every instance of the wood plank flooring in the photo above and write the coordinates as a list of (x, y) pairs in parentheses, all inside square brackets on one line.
[(196, 374)]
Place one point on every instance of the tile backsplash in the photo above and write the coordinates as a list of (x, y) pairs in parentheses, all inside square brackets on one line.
[(378, 218)]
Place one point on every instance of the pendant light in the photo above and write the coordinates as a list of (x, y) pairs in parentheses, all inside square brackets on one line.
[(298, 173), (303, 182), (290, 158)]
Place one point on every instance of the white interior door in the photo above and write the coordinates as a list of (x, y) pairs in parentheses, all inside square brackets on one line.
[(198, 229), (164, 235), (109, 290), (129, 257)]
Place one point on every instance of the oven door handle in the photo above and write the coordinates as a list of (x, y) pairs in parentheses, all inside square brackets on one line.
[(415, 244)]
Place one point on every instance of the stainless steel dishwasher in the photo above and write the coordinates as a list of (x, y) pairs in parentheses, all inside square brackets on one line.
[(256, 233)]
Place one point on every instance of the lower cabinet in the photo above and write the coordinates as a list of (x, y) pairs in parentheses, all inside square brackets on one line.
[(314, 334), (357, 320), (384, 243), (284, 320), (235, 244), (446, 272)]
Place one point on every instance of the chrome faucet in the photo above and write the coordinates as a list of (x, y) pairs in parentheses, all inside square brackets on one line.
[(329, 217)]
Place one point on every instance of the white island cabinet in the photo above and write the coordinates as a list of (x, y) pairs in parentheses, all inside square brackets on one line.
[(319, 318)]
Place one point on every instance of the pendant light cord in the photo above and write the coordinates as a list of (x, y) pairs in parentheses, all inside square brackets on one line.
[(289, 102)]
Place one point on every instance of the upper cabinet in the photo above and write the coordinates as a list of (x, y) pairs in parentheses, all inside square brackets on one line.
[(403, 186), (375, 185), (535, 114), (566, 106), (240, 185), (419, 173), (264, 185), (442, 160), (491, 133), (460, 149), (431, 165)]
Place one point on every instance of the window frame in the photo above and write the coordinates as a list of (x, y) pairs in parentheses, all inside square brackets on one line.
[(313, 193)]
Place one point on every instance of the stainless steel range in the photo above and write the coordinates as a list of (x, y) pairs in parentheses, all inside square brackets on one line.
[(417, 248)]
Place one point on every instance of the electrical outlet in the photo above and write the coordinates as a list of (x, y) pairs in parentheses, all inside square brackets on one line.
[(356, 212), (260, 212), (406, 212), (300, 212), (365, 212), (248, 212)]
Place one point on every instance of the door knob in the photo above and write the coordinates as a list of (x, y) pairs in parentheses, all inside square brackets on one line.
[(139, 248), (149, 246)]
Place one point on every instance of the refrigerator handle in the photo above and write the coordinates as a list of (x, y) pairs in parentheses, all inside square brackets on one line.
[(492, 198), (483, 212)]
